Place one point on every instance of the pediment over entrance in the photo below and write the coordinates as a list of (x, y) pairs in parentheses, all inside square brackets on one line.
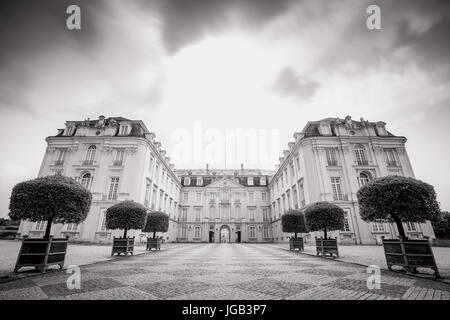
[(225, 183)]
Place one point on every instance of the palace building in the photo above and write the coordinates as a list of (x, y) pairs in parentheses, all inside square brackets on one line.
[(119, 159)]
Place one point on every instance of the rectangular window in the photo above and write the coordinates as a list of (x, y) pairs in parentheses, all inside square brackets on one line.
[(346, 222), (212, 212), (73, 227), (197, 232), (297, 162), (378, 226), (252, 232), (237, 212), (265, 214), (411, 226), (331, 156), (185, 196), (113, 188), (118, 160), (199, 181), (183, 214), (337, 188), (197, 214), (250, 181), (199, 196), (266, 232), (40, 225), (391, 157), (250, 196), (183, 232), (251, 214), (102, 220), (263, 196), (61, 157), (262, 181)]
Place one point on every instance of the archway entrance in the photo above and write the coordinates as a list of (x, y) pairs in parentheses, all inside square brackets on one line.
[(224, 234)]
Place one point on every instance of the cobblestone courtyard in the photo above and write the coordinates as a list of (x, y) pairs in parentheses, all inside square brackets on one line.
[(223, 271)]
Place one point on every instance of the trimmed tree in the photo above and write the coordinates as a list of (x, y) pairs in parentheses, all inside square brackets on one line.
[(156, 222), (55, 199), (441, 227), (324, 216), (126, 215), (293, 221), (398, 199)]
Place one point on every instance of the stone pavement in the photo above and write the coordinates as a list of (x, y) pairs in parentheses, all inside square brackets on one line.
[(226, 272)]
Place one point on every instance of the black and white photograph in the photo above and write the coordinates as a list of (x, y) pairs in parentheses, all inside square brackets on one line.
[(226, 155)]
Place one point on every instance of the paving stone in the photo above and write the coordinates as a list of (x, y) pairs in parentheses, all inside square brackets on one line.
[(61, 289), (167, 289), (120, 293), (279, 289), (142, 278), (27, 293)]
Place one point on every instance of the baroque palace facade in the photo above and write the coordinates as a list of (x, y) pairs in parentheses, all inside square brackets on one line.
[(119, 159)]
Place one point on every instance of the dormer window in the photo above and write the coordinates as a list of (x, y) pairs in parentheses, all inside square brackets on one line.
[(250, 181), (199, 181), (263, 181), (187, 181), (70, 130), (123, 130)]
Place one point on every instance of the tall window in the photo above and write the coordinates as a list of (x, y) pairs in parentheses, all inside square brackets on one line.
[(148, 190), (118, 160), (154, 197), (364, 177), (86, 180), (411, 226), (90, 155), (360, 154), (337, 188), (199, 196), (237, 212), (183, 214), (197, 232), (197, 214), (266, 232), (252, 232), (113, 188), (250, 181), (185, 196), (212, 212), (103, 220), (251, 214), (263, 196), (331, 156), (302, 195), (183, 232), (61, 156), (250, 196), (123, 130), (390, 157), (297, 162), (265, 214), (346, 222)]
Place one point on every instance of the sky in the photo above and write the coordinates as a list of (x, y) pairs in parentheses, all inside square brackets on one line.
[(215, 67)]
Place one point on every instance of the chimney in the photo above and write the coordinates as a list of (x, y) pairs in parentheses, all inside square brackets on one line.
[(207, 167), (242, 166)]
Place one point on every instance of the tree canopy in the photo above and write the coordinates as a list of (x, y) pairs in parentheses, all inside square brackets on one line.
[(55, 199), (156, 222), (398, 199), (126, 215), (324, 216), (293, 221)]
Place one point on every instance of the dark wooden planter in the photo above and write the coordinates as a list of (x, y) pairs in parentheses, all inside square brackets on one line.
[(296, 243), (41, 254), (409, 254), (327, 247), (122, 245), (153, 243)]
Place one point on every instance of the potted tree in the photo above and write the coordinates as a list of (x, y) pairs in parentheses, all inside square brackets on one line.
[(294, 221), (55, 199), (125, 215), (401, 199), (325, 216), (156, 222)]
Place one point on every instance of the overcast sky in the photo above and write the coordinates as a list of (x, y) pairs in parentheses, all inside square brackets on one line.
[(266, 65)]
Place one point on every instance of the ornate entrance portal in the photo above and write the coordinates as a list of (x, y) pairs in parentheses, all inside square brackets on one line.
[(225, 234)]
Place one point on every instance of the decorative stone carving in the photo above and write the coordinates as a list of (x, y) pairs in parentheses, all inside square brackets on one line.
[(50, 149), (133, 150)]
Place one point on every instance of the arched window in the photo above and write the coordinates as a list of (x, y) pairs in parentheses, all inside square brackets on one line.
[(360, 154), (90, 155), (364, 177), (86, 180)]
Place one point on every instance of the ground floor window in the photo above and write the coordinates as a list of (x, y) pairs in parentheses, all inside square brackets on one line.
[(40, 225), (266, 232), (411, 226), (197, 230), (252, 232), (183, 232), (378, 226), (72, 227)]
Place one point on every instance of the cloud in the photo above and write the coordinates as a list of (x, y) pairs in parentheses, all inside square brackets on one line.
[(288, 83)]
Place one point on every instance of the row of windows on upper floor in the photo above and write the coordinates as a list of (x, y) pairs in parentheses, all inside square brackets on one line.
[(204, 181), (252, 232), (360, 156), (225, 213), (90, 156), (225, 195)]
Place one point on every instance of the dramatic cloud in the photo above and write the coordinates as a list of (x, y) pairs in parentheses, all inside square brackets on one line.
[(260, 64)]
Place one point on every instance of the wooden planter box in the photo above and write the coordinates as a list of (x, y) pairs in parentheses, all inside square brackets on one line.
[(153, 243), (409, 254), (296, 243), (41, 254), (122, 245), (326, 247)]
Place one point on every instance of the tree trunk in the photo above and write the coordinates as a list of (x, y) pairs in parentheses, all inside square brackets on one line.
[(125, 233), (399, 224), (154, 234), (296, 235), (48, 228), (325, 232)]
